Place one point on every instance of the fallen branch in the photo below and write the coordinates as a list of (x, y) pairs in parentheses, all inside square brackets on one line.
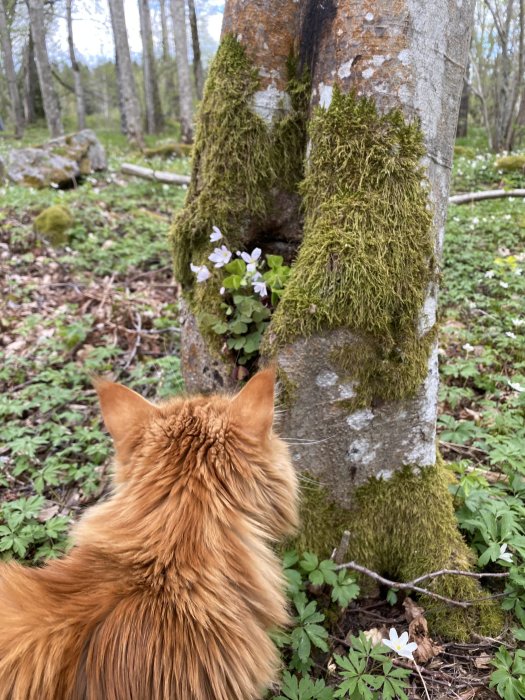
[(155, 175), (488, 194), (410, 585)]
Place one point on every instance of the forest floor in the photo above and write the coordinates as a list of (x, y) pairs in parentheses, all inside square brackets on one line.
[(105, 302)]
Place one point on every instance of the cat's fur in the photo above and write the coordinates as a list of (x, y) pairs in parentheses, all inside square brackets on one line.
[(172, 586)]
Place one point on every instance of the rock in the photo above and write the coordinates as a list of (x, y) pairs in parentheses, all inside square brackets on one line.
[(59, 162), (52, 224)]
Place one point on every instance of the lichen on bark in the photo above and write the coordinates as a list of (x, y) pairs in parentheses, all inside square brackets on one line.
[(402, 528), (367, 257)]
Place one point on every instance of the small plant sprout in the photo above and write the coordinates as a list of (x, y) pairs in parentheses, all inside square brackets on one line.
[(220, 256), (400, 644), (215, 235), (251, 259), (504, 555), (201, 271)]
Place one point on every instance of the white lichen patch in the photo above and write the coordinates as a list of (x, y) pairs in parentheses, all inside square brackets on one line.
[(368, 73), (404, 57), (361, 452), (345, 69), (271, 104), (427, 318), (325, 95), (360, 419), (347, 390), (385, 474), (378, 60), (369, 16), (326, 379)]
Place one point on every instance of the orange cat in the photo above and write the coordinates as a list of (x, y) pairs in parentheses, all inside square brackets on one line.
[(172, 586)]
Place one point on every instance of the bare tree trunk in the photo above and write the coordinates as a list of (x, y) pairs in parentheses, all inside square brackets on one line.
[(12, 85), (178, 12), (79, 92), (45, 77), (170, 93), (462, 130), (130, 107), (197, 63), (154, 121)]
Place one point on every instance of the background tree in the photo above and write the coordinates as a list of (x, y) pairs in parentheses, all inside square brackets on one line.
[(12, 82), (79, 91), (168, 68), (354, 334), (154, 120), (197, 62), (45, 77), (130, 107), (178, 13)]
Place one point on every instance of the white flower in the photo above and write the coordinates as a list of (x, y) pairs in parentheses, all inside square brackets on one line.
[(510, 334), (259, 287), (468, 347), (475, 220), (400, 644), (518, 322), (216, 234), (201, 271), (516, 386), (489, 273), (505, 285), (251, 260), (518, 271), (220, 256), (503, 554), (221, 291)]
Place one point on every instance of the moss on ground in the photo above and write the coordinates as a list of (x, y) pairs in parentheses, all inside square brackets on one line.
[(511, 163), (52, 223), (168, 150), (403, 528), (367, 257)]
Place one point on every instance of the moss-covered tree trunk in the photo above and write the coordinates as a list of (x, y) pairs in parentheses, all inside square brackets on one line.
[(354, 334)]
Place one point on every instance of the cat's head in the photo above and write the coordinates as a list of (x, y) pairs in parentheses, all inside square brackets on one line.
[(218, 450)]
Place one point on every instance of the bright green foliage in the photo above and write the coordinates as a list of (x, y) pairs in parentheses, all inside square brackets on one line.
[(237, 159), (509, 677), (53, 222), (366, 259), (303, 689), (511, 163), (23, 535), (243, 316), (369, 673)]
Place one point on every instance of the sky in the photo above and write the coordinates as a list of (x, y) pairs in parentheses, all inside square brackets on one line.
[(92, 29)]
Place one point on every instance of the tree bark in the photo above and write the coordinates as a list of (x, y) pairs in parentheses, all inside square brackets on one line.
[(462, 130), (45, 78), (178, 13), (154, 121), (79, 91), (197, 63), (130, 108), (12, 84), (354, 334), (33, 103), (170, 93)]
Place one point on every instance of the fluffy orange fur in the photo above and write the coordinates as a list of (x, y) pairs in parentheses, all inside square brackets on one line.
[(172, 585)]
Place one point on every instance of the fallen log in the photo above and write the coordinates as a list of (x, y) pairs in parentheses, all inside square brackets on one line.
[(155, 175), (488, 194)]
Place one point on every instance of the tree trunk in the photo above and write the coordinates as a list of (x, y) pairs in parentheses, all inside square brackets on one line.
[(45, 78), (33, 103), (354, 335), (12, 84), (130, 107), (170, 93), (178, 13), (154, 121), (79, 92), (462, 130), (197, 63)]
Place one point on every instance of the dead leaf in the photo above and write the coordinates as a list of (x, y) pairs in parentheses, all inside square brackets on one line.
[(48, 512), (483, 661), (418, 632), (412, 610), (376, 635)]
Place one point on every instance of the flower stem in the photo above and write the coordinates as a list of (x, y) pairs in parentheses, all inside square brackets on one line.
[(422, 681)]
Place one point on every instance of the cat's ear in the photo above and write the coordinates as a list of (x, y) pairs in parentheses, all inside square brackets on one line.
[(252, 408), (123, 411)]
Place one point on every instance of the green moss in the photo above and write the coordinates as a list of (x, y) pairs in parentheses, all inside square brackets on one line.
[(53, 222), (237, 160), (367, 257), (511, 163), (402, 537), (464, 151), (167, 150)]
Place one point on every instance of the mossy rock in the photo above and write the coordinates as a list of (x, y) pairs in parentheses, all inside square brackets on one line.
[(402, 528), (464, 151), (52, 224), (512, 163), (169, 150)]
